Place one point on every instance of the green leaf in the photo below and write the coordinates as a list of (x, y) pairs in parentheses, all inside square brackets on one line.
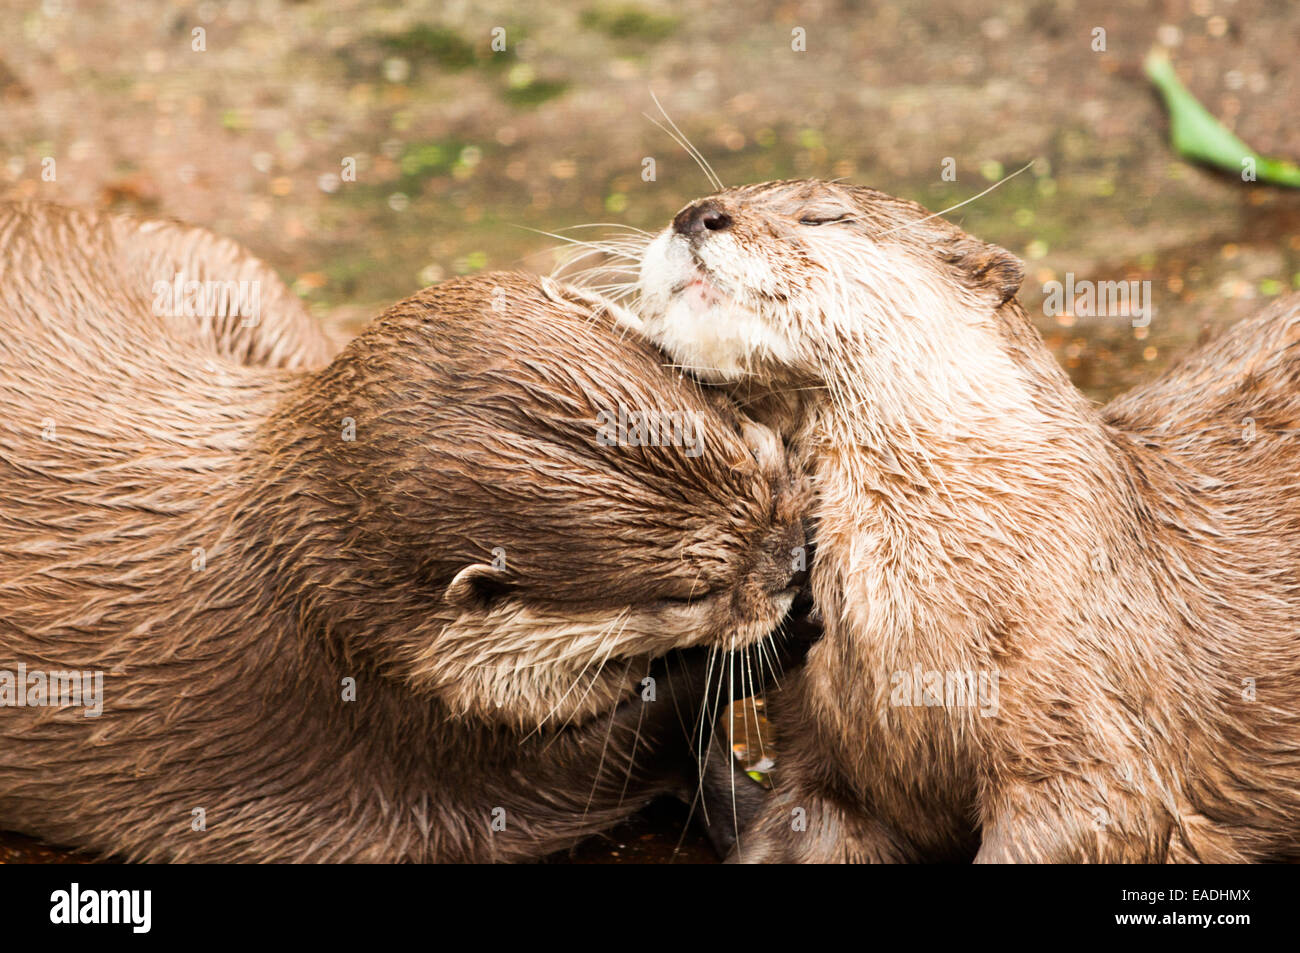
[(1197, 135)]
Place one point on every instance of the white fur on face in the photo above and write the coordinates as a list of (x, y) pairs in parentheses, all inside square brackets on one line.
[(528, 666), (690, 315), (893, 334)]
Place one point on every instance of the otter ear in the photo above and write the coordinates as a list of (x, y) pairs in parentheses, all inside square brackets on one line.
[(476, 586), (988, 266)]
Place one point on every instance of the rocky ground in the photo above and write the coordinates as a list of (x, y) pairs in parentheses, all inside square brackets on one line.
[(252, 125)]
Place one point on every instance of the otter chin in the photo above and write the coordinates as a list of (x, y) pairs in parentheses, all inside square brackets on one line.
[(698, 316), (410, 599), (1125, 579)]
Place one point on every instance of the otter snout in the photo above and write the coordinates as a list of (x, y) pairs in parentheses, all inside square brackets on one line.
[(782, 559), (772, 581), (702, 217)]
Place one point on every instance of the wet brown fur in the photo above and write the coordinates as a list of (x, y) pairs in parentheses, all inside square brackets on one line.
[(130, 439), (1131, 573)]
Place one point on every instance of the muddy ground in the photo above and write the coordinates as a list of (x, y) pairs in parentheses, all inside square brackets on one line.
[(459, 149)]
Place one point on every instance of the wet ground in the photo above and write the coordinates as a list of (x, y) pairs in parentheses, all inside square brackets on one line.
[(458, 149), (663, 833)]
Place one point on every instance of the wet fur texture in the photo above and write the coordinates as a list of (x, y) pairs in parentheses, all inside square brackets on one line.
[(1131, 574), (131, 439)]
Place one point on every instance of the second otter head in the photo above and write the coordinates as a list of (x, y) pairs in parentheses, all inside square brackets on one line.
[(539, 507), (772, 280)]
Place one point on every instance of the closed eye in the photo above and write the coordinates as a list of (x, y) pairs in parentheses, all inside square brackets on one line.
[(824, 219), (694, 599), (684, 600)]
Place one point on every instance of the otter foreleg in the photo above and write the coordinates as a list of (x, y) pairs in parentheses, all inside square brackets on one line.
[(1069, 821)]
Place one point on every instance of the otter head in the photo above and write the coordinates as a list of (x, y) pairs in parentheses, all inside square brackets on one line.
[(540, 506), (778, 280)]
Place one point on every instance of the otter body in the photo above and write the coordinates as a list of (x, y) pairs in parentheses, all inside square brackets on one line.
[(394, 603), (1052, 632)]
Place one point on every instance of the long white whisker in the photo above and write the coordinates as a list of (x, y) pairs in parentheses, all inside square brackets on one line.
[(594, 678), (680, 138), (713, 176), (578, 679), (612, 247), (631, 228), (636, 739), (953, 208), (609, 731), (731, 738)]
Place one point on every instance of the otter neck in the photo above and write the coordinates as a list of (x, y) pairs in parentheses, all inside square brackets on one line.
[(960, 484)]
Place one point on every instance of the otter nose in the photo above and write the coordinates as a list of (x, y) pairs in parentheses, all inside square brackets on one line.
[(698, 219), (778, 569)]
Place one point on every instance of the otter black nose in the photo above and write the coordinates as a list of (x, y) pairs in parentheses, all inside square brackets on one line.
[(697, 219)]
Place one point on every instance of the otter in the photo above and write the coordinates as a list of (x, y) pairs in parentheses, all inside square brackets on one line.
[(414, 600), (1054, 632)]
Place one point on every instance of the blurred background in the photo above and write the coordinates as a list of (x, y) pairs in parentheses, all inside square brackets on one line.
[(455, 144), (248, 116)]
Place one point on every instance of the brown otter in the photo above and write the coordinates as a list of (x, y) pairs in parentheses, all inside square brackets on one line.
[(1053, 632), (397, 605)]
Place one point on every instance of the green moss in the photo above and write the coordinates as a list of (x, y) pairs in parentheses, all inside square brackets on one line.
[(417, 164), (430, 44), (534, 93), (626, 22), (420, 160)]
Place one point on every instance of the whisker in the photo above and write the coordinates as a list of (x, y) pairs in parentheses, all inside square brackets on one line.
[(953, 208), (611, 246), (622, 615), (753, 698), (594, 678), (680, 138), (717, 186), (762, 395), (731, 738), (600, 765), (709, 718), (773, 658), (698, 797), (636, 739), (631, 228)]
